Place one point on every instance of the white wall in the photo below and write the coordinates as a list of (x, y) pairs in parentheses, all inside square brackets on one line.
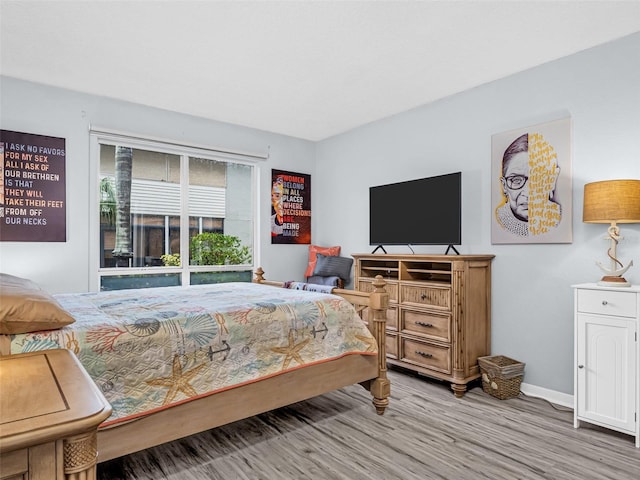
[(64, 267), (532, 317)]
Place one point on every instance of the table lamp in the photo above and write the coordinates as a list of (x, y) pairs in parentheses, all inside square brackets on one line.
[(613, 202)]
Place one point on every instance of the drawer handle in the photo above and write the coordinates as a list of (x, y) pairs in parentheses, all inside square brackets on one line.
[(424, 354), (423, 297), (604, 302), (580, 366), (424, 324)]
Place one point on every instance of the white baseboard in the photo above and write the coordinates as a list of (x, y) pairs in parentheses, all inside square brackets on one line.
[(557, 398)]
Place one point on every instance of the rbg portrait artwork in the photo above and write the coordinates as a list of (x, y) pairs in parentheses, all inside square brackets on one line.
[(290, 207), (531, 184)]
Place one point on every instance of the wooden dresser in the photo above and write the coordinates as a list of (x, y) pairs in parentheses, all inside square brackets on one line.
[(50, 410), (439, 316)]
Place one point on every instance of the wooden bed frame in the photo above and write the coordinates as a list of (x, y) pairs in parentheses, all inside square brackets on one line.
[(264, 395)]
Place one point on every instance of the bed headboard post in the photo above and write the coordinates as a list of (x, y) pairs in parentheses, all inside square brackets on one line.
[(259, 275), (379, 302)]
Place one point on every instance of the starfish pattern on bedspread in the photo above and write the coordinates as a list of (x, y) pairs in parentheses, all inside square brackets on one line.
[(291, 351), (178, 381), (370, 342)]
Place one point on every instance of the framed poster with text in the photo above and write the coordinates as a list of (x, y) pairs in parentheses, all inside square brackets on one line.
[(290, 207), (32, 188)]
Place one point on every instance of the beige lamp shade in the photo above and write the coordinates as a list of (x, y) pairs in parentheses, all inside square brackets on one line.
[(612, 201)]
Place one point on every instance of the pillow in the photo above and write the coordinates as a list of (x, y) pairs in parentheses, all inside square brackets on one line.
[(25, 307), (313, 251), (333, 280), (327, 266)]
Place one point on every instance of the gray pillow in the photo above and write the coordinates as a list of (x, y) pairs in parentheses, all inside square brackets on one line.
[(318, 280), (327, 266)]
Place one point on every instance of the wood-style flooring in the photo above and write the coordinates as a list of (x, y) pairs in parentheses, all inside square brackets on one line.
[(427, 433)]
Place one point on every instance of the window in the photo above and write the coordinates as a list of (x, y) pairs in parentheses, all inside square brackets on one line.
[(161, 203)]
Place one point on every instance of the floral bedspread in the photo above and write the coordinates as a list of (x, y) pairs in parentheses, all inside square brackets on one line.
[(153, 348)]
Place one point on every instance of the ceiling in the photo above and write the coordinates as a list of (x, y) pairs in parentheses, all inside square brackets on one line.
[(309, 69)]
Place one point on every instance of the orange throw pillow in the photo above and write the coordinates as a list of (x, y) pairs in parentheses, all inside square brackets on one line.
[(313, 250)]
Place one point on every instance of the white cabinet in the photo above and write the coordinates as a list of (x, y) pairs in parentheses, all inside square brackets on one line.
[(607, 356)]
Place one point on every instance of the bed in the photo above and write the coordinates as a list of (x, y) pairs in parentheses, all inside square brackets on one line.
[(175, 361)]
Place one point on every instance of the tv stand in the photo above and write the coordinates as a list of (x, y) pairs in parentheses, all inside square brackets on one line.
[(451, 247), (439, 312), (379, 247)]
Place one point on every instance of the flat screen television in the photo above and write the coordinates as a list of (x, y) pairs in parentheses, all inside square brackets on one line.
[(426, 211)]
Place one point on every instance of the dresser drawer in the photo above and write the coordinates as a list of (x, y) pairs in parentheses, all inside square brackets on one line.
[(434, 357), (392, 317), (390, 288), (605, 302), (429, 324), (426, 295), (391, 343)]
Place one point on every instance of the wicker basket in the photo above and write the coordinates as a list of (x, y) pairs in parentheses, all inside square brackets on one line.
[(501, 376)]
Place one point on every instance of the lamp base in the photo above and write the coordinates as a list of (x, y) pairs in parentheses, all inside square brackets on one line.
[(613, 281)]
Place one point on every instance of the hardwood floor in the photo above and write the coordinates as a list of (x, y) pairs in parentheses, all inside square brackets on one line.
[(426, 433)]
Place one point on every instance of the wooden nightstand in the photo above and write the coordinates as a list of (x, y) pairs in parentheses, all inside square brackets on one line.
[(50, 410)]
